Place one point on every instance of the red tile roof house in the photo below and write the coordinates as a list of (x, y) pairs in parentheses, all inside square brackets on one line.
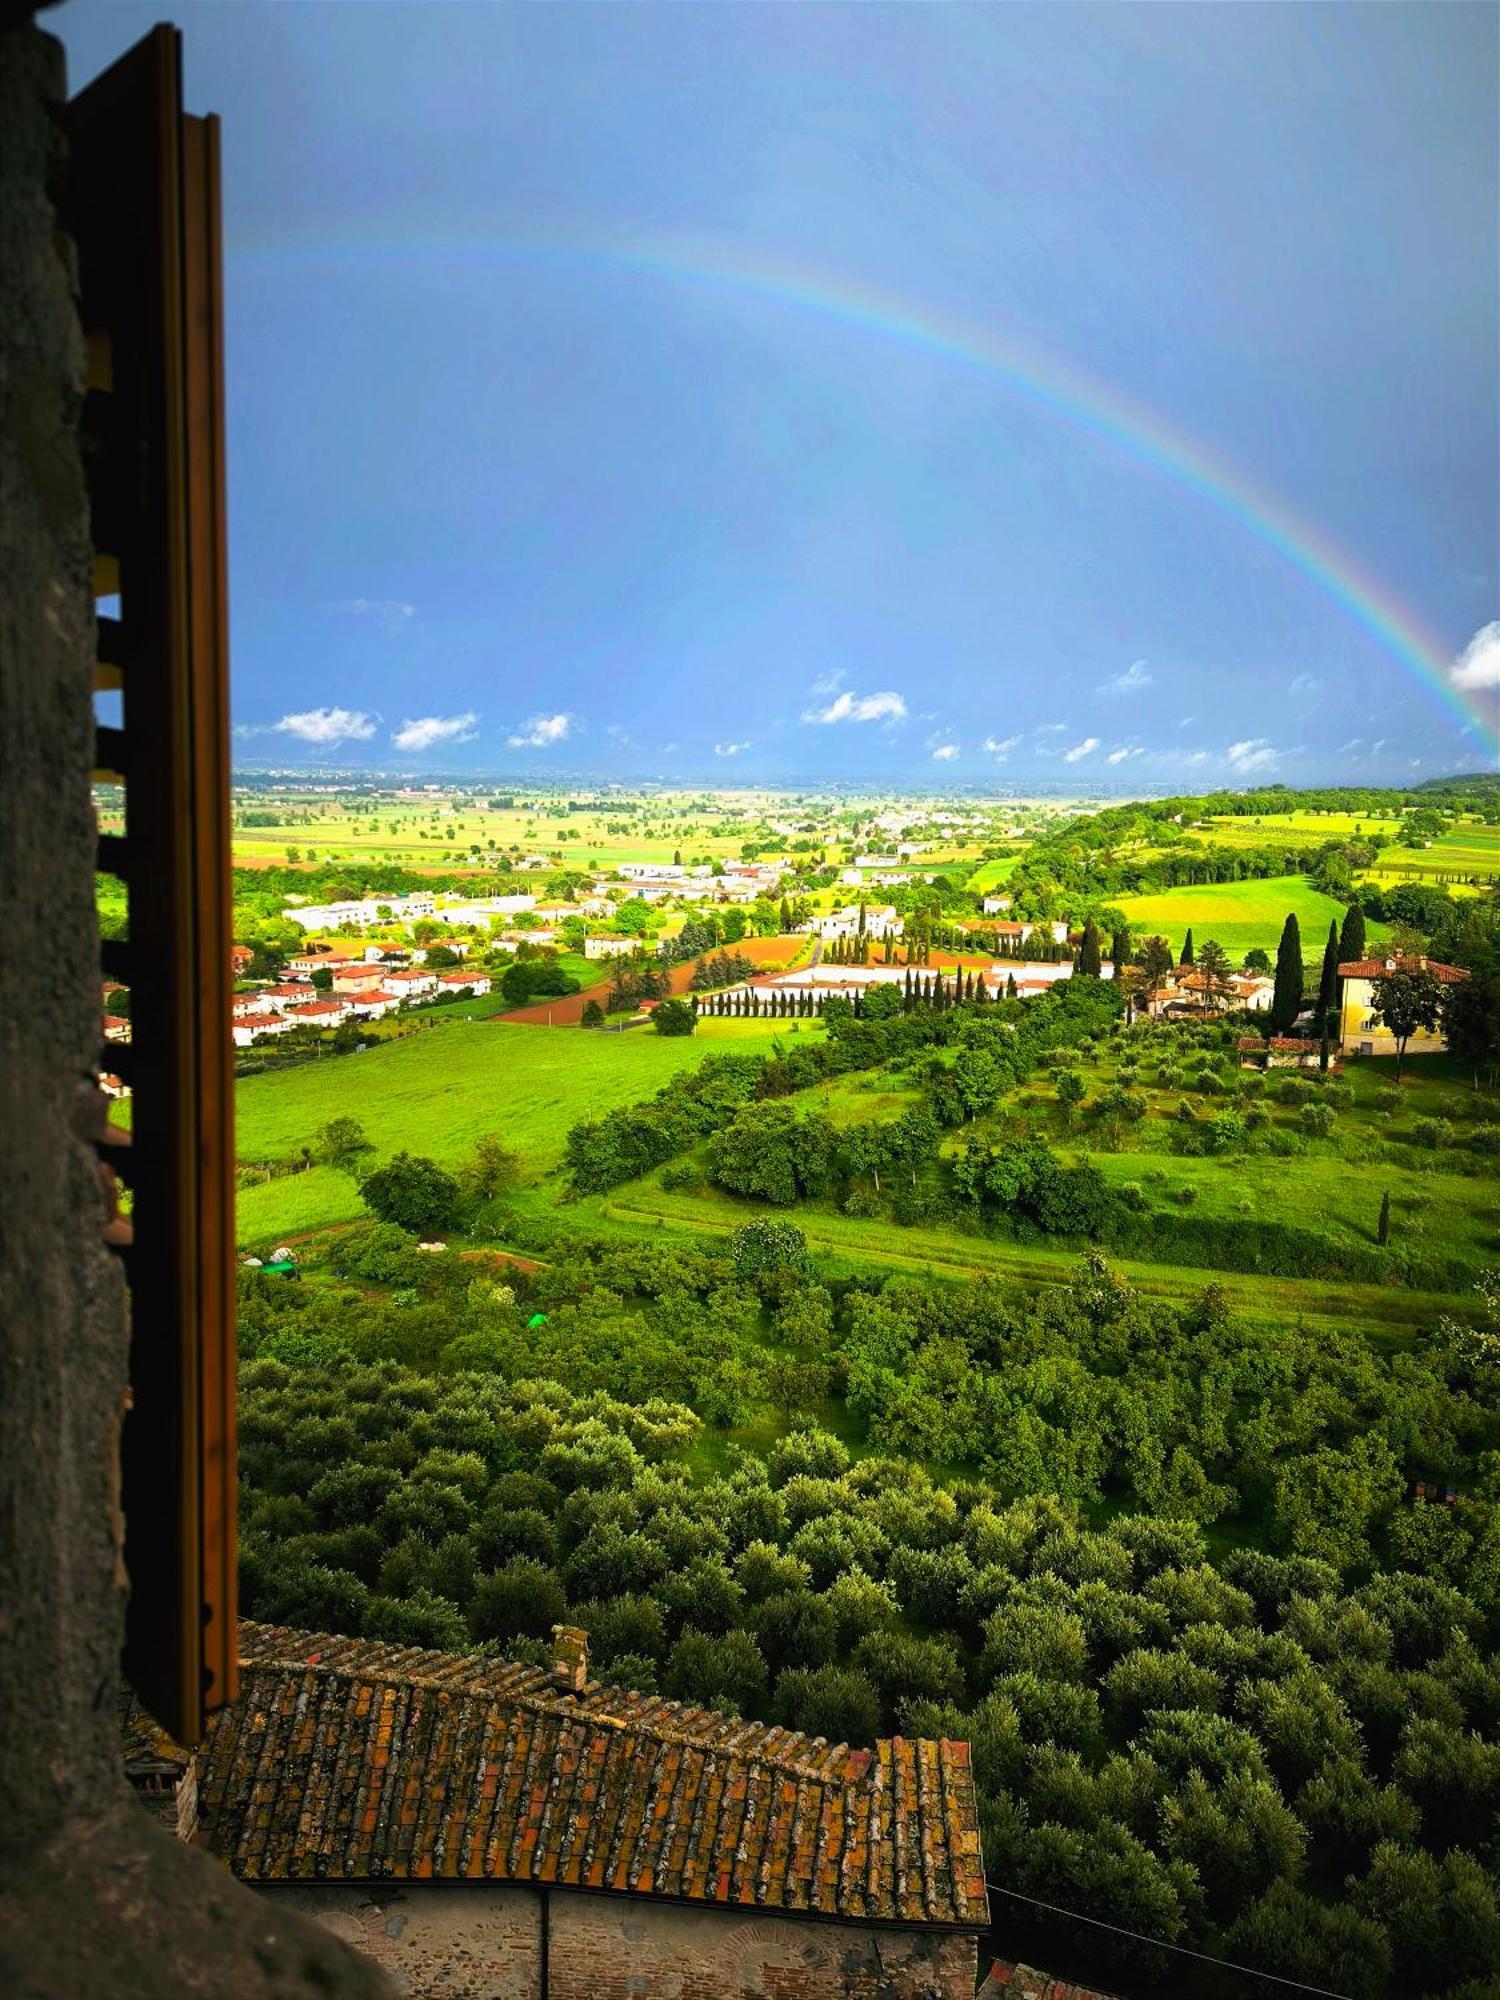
[(357, 978), (316, 1014), (414, 981), (373, 1003), (484, 1827), (463, 982)]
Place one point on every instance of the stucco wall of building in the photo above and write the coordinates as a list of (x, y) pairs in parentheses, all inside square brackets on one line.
[(443, 1942)]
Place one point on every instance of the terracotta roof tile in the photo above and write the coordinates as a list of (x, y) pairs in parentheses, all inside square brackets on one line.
[(349, 1760), (1377, 968)]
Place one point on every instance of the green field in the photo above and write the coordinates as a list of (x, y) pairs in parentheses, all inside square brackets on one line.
[(1235, 830), (993, 874), (436, 1093), (1239, 914)]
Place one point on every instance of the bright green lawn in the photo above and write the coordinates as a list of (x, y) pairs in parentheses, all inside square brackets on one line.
[(1240, 915), (992, 874), (436, 1093)]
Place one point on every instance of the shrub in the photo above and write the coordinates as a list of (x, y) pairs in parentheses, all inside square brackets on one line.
[(1316, 1120), (674, 1017), (1484, 1139), (523, 1600), (839, 1703), (1432, 1134), (415, 1194), (1187, 1196)]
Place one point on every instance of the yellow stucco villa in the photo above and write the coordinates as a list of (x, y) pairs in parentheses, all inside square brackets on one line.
[(1360, 1033)]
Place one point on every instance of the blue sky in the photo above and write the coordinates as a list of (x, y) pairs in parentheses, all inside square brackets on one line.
[(556, 445)]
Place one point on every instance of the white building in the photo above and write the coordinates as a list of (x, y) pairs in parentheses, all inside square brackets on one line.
[(413, 984), (611, 945), (880, 921), (243, 1033), (365, 911)]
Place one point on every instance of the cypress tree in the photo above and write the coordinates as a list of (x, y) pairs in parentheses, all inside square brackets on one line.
[(1012, 991), (1323, 1048), (1286, 997), (1119, 949), (1187, 949), (1089, 957), (1352, 936), (1328, 979)]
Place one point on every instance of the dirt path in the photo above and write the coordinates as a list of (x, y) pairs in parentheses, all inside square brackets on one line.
[(771, 954)]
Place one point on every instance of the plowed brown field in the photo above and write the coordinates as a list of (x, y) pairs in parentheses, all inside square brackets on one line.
[(769, 953)]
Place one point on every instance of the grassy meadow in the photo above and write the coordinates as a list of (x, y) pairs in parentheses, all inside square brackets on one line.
[(436, 1092), (1240, 915)]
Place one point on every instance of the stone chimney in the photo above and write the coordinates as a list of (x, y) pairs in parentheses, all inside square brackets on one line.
[(570, 1658)]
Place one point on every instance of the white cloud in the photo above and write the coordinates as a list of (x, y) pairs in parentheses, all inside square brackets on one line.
[(1131, 681), (1000, 746), (1124, 754), (945, 753), (387, 612), (1478, 665), (730, 749), (1301, 684), (1196, 757), (1081, 750), (426, 730), (1051, 729), (887, 706), (1256, 753), (540, 732), (328, 725)]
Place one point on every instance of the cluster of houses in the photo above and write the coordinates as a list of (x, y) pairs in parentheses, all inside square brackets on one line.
[(735, 881), (365, 988), (1186, 994)]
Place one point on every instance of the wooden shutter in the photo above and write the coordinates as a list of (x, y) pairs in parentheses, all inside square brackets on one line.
[(142, 204)]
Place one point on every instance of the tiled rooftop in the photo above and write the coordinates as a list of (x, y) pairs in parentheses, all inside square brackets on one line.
[(350, 1760), (1378, 968)]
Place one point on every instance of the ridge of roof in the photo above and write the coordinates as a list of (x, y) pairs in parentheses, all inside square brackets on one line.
[(516, 1681)]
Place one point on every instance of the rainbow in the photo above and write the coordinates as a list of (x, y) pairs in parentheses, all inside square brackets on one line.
[(1062, 390)]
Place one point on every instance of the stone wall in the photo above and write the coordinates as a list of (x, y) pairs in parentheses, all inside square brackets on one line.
[(95, 1898), (441, 1942)]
